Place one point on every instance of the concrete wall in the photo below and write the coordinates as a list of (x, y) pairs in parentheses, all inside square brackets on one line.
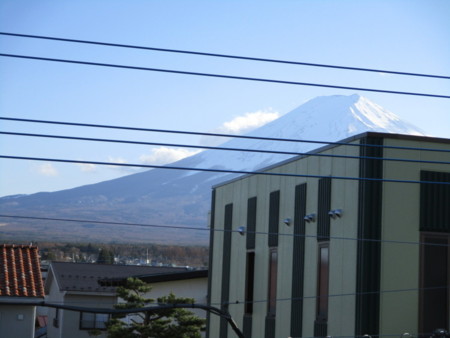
[(17, 321)]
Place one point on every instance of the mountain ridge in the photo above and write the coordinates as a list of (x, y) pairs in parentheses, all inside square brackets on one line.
[(182, 198)]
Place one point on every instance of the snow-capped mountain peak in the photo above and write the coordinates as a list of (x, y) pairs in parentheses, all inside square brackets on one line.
[(325, 118), (182, 197)]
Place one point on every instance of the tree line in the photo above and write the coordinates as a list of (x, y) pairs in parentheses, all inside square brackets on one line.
[(195, 256)]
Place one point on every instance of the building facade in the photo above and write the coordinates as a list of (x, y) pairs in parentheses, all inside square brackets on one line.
[(345, 241)]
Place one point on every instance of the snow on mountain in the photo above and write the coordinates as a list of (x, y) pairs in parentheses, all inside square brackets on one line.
[(325, 118), (182, 198)]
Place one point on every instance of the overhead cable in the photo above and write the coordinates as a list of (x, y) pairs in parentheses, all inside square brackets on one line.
[(223, 76), (241, 302), (154, 308), (364, 293), (248, 58), (216, 170), (388, 241), (105, 222), (161, 306), (293, 153), (171, 131)]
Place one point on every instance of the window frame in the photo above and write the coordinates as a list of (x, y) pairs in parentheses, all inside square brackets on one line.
[(272, 282), (95, 322), (323, 283), (249, 282)]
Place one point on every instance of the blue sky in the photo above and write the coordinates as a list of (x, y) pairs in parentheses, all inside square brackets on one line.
[(411, 36)]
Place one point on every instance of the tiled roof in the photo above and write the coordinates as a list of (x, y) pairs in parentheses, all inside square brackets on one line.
[(86, 277), (20, 271)]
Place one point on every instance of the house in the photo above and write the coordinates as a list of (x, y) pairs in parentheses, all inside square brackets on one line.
[(348, 240), (94, 286), (21, 287)]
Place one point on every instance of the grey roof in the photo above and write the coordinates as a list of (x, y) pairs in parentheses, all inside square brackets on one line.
[(162, 277), (85, 277)]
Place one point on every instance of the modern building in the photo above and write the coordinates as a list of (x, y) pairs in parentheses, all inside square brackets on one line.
[(21, 287), (94, 286), (348, 240)]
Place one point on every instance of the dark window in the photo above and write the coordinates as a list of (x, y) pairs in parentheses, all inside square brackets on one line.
[(56, 318), (251, 223), (226, 265), (368, 268), (274, 217), (273, 266), (322, 284), (89, 321), (249, 282), (250, 266), (434, 202), (324, 204), (434, 292), (298, 261), (434, 252)]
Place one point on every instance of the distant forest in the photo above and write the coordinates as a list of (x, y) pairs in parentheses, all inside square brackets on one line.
[(193, 256)]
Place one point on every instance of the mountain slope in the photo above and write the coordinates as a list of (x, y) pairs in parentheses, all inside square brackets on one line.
[(182, 198)]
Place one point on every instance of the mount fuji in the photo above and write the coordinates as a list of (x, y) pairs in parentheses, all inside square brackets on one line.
[(180, 199)]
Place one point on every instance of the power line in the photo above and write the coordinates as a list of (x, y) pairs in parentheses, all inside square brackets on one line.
[(105, 222), (223, 76), (170, 131), (236, 302), (364, 293), (76, 138), (248, 58), (388, 241), (154, 308), (215, 170)]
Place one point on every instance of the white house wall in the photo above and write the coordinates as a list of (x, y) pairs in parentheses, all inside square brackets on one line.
[(71, 327), (17, 321), (57, 297), (189, 288)]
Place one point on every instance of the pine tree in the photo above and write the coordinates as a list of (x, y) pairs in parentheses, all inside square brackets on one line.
[(105, 256), (167, 323)]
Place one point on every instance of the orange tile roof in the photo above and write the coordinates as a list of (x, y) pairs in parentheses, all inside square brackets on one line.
[(20, 271)]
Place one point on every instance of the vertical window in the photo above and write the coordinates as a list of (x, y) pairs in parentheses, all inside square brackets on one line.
[(250, 266), (274, 218), (298, 261), (434, 252), (324, 204), (251, 223), (322, 284), (434, 288), (249, 282), (273, 266), (226, 265), (56, 318)]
